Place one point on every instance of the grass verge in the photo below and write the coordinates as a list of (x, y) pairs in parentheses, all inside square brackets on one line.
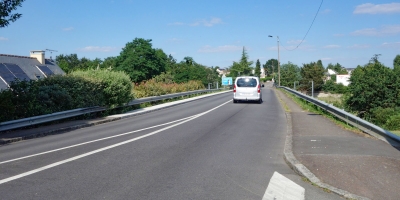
[(305, 105), (396, 132)]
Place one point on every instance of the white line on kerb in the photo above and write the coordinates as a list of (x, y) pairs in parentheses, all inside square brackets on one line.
[(105, 148)]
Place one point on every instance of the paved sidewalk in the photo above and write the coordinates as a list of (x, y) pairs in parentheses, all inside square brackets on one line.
[(350, 164)]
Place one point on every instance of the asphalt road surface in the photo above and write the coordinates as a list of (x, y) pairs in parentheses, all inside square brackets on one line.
[(205, 149)]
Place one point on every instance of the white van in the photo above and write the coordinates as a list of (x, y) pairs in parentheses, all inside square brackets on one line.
[(247, 88)]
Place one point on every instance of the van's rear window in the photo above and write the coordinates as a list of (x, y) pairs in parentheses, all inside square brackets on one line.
[(246, 82)]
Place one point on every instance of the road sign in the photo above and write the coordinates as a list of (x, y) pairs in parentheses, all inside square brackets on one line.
[(226, 80)]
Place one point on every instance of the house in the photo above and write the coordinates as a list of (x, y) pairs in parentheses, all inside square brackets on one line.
[(262, 74), (350, 70), (329, 73), (222, 72), (34, 67)]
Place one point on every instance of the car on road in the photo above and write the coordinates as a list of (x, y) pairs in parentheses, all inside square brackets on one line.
[(247, 88)]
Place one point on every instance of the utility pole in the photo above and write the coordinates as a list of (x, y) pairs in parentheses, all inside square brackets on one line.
[(279, 65)]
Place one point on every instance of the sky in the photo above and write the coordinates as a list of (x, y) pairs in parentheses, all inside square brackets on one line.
[(212, 32)]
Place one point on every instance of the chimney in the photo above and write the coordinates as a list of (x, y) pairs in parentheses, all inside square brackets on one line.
[(39, 55)]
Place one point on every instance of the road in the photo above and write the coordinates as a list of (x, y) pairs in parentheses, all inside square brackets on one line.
[(205, 149)]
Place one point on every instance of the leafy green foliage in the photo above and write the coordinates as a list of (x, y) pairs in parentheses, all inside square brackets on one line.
[(312, 72), (257, 70), (6, 7), (396, 62), (140, 61), (372, 86), (290, 73), (393, 123), (188, 70), (271, 66), (334, 88), (116, 86), (59, 93), (337, 68), (243, 67), (162, 84), (70, 63)]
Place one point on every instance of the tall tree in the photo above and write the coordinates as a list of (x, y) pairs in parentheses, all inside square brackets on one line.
[(372, 86), (257, 70), (312, 72), (290, 73), (140, 61), (243, 67), (245, 63), (108, 63), (6, 7), (68, 63), (337, 68), (271, 66), (396, 61)]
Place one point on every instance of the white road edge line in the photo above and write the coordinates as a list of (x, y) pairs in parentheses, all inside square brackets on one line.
[(83, 143), (104, 148), (282, 188)]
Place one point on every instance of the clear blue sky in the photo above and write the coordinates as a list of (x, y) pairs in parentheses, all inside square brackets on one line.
[(213, 32)]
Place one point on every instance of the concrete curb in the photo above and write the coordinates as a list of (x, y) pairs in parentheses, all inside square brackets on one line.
[(303, 170), (107, 119)]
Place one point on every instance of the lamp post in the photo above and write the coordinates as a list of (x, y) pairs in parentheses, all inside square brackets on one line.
[(279, 67)]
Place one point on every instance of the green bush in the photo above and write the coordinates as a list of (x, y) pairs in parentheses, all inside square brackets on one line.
[(115, 85), (77, 91), (334, 88), (267, 78), (393, 123), (59, 93), (379, 115), (160, 86)]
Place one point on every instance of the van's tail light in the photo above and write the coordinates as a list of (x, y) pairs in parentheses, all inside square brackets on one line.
[(234, 88), (259, 88)]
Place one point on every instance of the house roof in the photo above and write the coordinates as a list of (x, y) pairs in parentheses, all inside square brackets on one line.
[(31, 67), (331, 72)]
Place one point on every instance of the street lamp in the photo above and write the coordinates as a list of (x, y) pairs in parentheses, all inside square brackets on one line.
[(279, 67)]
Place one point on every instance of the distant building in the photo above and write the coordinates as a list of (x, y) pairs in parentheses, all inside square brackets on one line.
[(222, 72), (350, 70), (262, 74), (343, 79), (329, 73), (26, 68)]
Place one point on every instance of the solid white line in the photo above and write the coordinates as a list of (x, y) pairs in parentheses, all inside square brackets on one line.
[(104, 148), (114, 136)]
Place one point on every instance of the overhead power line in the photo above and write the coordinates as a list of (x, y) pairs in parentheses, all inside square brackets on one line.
[(308, 28)]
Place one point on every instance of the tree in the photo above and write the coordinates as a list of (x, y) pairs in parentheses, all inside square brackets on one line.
[(243, 67), (337, 68), (257, 70), (372, 86), (68, 63), (396, 62), (108, 63), (271, 66), (140, 61), (188, 70), (6, 7), (290, 73), (71, 62), (312, 72)]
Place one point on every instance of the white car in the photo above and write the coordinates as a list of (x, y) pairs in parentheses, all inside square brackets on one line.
[(247, 88)]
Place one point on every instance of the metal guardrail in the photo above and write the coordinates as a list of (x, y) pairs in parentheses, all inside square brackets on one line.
[(350, 118), (19, 123)]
